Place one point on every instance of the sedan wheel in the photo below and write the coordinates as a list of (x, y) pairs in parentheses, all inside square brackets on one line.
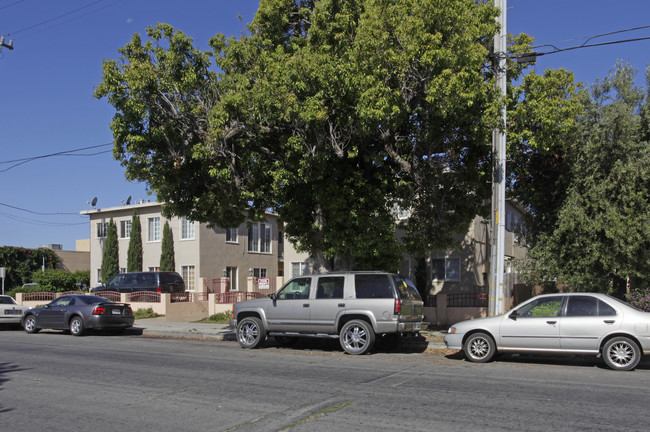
[(621, 353), (250, 332), (479, 348), (76, 326), (357, 337), (30, 324)]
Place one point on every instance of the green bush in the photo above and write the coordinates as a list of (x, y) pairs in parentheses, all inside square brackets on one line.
[(220, 318), (62, 280), (146, 313)]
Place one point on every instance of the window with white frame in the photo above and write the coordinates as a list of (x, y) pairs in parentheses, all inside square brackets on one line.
[(154, 269), (102, 229), (187, 272), (231, 235), (99, 275), (259, 238), (125, 229), (260, 272), (153, 232), (122, 269), (299, 269), (187, 229), (446, 269)]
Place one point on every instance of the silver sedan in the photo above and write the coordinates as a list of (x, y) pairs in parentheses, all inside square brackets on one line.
[(575, 323)]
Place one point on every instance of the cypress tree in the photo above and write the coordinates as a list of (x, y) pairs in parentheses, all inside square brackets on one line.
[(110, 259), (167, 262), (134, 257)]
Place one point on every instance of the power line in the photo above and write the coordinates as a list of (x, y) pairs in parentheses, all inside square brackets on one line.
[(11, 4), (37, 213), (39, 222), (55, 18), (18, 162)]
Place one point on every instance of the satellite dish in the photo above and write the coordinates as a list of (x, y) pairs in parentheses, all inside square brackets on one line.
[(128, 200), (94, 202)]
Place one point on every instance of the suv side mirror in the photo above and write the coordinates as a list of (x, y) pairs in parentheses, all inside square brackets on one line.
[(273, 296)]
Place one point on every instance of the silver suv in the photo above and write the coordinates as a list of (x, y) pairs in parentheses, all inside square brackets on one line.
[(354, 307)]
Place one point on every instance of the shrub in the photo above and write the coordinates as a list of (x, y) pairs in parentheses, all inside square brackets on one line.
[(640, 298)]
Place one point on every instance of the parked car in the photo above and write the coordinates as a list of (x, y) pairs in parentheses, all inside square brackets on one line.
[(78, 313), (575, 323), (162, 282), (354, 307), (10, 311)]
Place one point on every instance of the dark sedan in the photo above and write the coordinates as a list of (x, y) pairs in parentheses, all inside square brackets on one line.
[(78, 313)]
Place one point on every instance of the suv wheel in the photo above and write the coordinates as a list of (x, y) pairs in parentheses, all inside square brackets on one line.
[(357, 337), (250, 332)]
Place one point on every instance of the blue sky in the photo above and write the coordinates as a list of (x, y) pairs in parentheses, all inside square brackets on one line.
[(47, 81)]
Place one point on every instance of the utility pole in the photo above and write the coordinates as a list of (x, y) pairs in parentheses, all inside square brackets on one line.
[(496, 306), (3, 44)]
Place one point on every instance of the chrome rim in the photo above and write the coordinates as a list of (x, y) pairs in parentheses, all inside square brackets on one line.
[(75, 326), (248, 333), (479, 348), (621, 354), (355, 338), (30, 324)]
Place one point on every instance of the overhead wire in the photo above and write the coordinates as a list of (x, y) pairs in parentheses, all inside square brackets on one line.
[(49, 20), (22, 161)]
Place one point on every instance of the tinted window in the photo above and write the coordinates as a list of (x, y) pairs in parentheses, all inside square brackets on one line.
[(330, 287), (6, 300), (373, 286), (295, 289), (407, 291), (604, 309), (582, 306)]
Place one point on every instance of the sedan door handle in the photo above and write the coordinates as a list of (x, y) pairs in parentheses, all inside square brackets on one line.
[(551, 322), (341, 304), (305, 305), (610, 321)]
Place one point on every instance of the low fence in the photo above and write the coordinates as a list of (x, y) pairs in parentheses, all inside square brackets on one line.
[(443, 310)]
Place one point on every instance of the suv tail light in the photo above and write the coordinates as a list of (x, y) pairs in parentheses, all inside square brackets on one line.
[(398, 307), (99, 310), (159, 289)]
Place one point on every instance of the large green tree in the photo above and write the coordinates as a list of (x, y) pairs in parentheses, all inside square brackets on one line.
[(167, 261), (331, 113), (134, 254), (601, 236), (110, 257)]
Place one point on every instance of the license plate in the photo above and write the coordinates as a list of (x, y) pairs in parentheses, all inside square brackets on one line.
[(13, 312), (117, 312)]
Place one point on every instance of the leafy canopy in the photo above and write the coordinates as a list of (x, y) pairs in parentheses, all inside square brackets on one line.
[(330, 113)]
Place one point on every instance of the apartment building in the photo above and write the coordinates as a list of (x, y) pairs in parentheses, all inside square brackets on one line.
[(250, 250)]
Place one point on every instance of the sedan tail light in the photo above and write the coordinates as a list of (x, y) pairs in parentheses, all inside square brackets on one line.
[(129, 311), (99, 310)]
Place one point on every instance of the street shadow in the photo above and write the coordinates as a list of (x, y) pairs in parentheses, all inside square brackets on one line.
[(589, 361), (5, 370), (406, 345)]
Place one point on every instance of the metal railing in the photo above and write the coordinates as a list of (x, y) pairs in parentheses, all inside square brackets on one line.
[(39, 296), (143, 297), (235, 296), (110, 295), (184, 297), (467, 300)]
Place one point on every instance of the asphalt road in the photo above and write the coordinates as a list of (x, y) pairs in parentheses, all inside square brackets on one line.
[(56, 382)]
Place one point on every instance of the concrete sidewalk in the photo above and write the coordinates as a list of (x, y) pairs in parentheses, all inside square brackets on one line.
[(163, 327)]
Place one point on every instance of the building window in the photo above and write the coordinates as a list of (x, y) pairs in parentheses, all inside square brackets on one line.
[(508, 221), (125, 229), (153, 233), (299, 269), (122, 269), (231, 235), (154, 268), (188, 276), (187, 229), (99, 275), (447, 269), (102, 229), (259, 238), (260, 273)]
